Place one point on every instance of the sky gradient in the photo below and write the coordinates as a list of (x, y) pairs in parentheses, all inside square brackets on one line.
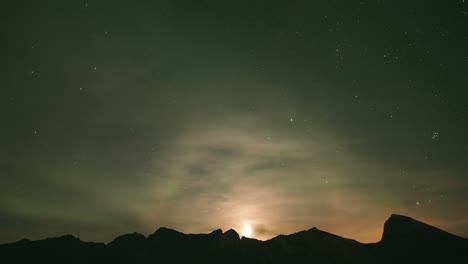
[(123, 116)]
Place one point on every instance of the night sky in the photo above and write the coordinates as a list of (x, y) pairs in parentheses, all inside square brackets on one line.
[(122, 116)]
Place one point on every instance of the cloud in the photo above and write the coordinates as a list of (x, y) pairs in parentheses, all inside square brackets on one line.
[(225, 175)]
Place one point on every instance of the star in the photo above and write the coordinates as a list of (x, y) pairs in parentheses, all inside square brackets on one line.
[(365, 117)]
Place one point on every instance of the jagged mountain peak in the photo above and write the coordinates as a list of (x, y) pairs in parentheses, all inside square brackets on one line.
[(165, 230), (231, 233), (128, 240), (313, 235), (400, 229), (315, 230), (217, 232), (64, 239)]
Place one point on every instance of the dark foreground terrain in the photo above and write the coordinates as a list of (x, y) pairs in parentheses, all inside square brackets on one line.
[(404, 240)]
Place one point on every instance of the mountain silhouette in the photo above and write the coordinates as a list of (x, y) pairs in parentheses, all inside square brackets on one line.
[(412, 241), (404, 240)]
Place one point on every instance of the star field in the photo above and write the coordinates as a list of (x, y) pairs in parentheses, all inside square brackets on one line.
[(123, 116)]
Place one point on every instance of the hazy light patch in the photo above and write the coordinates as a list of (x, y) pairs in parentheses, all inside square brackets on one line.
[(220, 176), (247, 230)]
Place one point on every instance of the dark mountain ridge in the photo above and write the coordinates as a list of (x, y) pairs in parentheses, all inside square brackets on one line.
[(404, 240)]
